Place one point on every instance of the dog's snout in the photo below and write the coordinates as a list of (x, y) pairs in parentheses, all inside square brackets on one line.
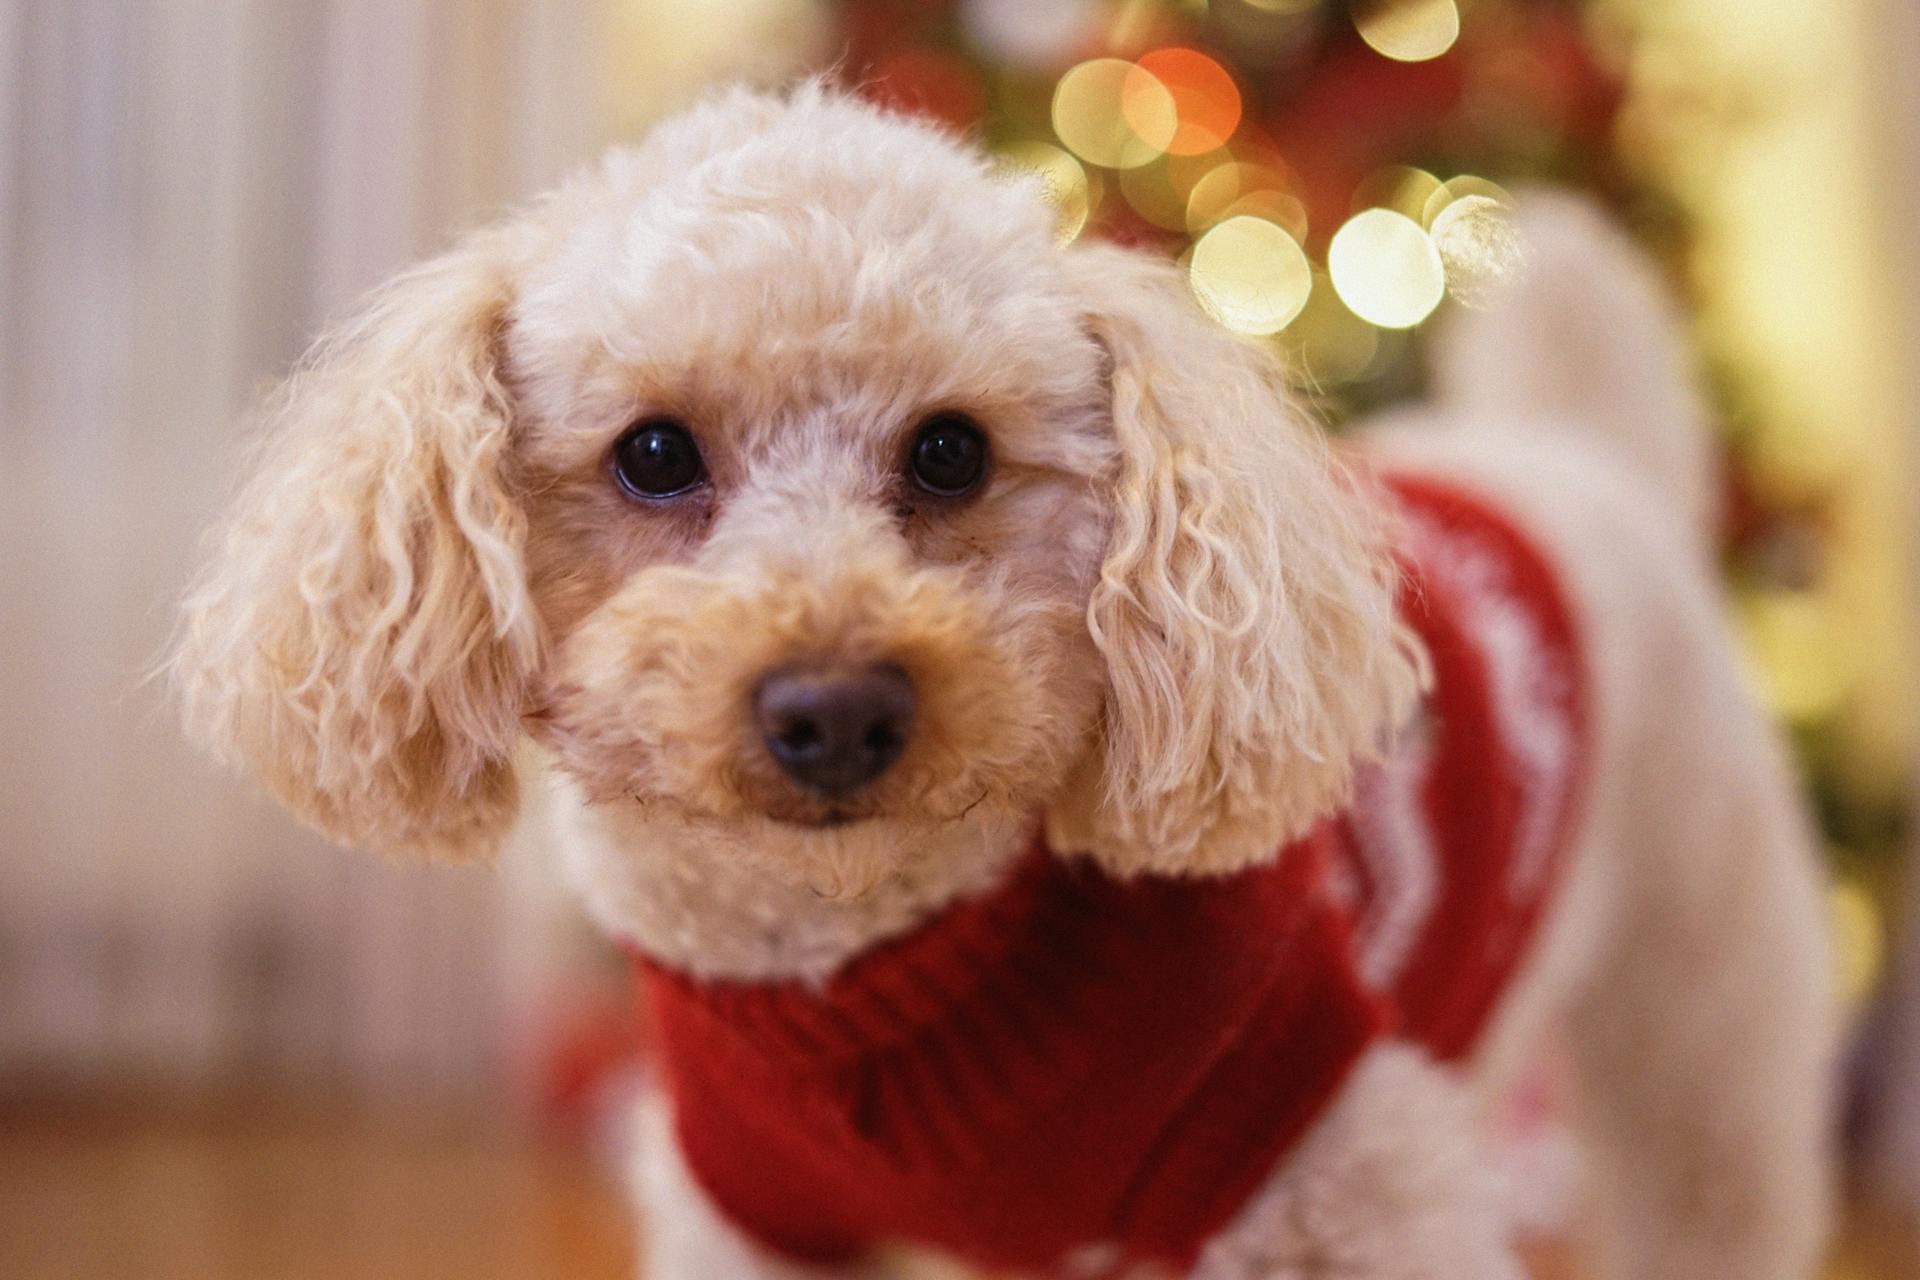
[(834, 731)]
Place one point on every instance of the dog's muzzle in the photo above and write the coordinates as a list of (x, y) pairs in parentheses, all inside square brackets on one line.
[(835, 730)]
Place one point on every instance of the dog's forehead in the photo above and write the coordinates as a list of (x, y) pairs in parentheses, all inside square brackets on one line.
[(750, 181), (816, 245)]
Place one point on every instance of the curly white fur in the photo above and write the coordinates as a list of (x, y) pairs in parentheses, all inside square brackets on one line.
[(1245, 605), (365, 634), (1164, 627)]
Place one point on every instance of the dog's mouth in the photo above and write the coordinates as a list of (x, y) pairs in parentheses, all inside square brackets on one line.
[(820, 813), (831, 820), (801, 812)]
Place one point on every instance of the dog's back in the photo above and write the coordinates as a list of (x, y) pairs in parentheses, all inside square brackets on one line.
[(1688, 961)]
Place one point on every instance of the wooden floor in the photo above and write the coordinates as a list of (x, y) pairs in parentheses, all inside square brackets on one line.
[(258, 1190), (310, 1191)]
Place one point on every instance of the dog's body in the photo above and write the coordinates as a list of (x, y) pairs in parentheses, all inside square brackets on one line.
[(1156, 614), (1070, 1065), (1685, 963)]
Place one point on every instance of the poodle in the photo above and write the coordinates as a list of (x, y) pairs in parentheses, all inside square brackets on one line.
[(1070, 818)]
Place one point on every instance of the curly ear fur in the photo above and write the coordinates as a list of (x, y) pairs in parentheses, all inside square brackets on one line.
[(1245, 606), (363, 636)]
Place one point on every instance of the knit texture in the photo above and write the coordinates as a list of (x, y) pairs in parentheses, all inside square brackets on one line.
[(1071, 1068)]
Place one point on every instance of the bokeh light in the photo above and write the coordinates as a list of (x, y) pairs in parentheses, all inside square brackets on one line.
[(1204, 95), (1386, 268), (1071, 190), (1408, 30), (1459, 189), (1251, 275), (1479, 246), (1114, 113)]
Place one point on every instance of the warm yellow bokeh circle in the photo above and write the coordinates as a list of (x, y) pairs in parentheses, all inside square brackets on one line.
[(1408, 30), (1386, 269), (1251, 275), (1114, 113)]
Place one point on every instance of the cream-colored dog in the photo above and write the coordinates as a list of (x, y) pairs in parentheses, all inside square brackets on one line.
[(796, 404)]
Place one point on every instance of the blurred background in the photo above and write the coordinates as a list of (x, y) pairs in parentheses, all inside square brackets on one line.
[(229, 1049)]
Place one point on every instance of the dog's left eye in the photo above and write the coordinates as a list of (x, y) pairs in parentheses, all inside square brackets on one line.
[(948, 455), (657, 459)]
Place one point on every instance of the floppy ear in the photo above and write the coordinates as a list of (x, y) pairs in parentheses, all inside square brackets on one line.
[(362, 637), (1245, 606)]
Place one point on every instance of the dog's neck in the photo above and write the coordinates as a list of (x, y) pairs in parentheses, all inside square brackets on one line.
[(757, 901)]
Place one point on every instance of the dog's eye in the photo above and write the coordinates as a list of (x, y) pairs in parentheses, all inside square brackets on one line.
[(657, 459), (949, 455)]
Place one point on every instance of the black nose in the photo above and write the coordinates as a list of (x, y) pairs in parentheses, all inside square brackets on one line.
[(835, 730)]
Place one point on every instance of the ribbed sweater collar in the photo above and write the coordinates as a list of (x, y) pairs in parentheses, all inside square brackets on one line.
[(995, 950)]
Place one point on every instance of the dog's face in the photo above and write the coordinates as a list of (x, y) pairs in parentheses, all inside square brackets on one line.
[(811, 453), (786, 477)]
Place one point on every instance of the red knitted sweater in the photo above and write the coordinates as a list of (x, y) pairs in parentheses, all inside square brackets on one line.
[(1072, 1068)]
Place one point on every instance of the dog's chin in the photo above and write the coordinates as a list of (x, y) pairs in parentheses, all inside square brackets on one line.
[(843, 854), (803, 810)]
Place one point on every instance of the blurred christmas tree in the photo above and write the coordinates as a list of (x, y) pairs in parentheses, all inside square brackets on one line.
[(1333, 173)]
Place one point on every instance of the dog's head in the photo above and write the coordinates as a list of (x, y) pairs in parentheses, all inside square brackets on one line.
[(785, 474)]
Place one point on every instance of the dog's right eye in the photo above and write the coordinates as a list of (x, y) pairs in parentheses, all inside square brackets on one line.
[(948, 455), (657, 458)]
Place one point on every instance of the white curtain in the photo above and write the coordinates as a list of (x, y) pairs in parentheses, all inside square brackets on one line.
[(187, 192)]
